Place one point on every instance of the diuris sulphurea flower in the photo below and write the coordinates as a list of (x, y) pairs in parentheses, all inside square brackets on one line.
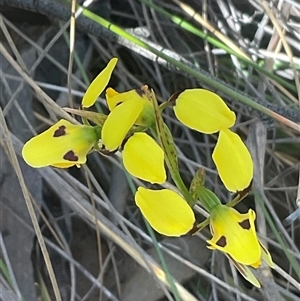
[(235, 235), (63, 145)]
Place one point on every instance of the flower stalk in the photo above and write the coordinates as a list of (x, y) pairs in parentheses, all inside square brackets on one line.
[(165, 139)]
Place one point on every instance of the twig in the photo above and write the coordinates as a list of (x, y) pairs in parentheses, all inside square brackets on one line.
[(15, 164)]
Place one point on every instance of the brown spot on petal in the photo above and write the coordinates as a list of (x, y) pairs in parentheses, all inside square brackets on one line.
[(222, 242), (263, 247), (194, 229), (106, 152), (70, 156), (125, 141), (140, 92), (61, 131), (239, 266), (145, 92), (245, 224), (242, 194), (173, 98)]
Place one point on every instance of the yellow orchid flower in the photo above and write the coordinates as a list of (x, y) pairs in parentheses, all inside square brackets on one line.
[(62, 145), (234, 234), (98, 84), (144, 158), (233, 161), (118, 123), (166, 211), (203, 111)]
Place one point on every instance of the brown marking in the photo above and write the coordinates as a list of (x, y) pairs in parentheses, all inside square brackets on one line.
[(140, 92), (173, 98), (245, 224), (263, 247), (239, 266), (106, 152), (245, 192), (194, 229), (125, 141), (222, 242), (70, 156), (61, 131), (145, 92)]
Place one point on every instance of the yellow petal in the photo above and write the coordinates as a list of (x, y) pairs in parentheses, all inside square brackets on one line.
[(98, 84), (233, 161), (109, 93), (144, 158), (234, 234), (113, 98), (203, 111), (119, 122), (64, 145), (165, 210)]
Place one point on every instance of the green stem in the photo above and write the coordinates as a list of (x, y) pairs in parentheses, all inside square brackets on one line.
[(241, 195), (164, 105), (162, 134), (202, 225), (181, 186), (235, 201), (174, 172)]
